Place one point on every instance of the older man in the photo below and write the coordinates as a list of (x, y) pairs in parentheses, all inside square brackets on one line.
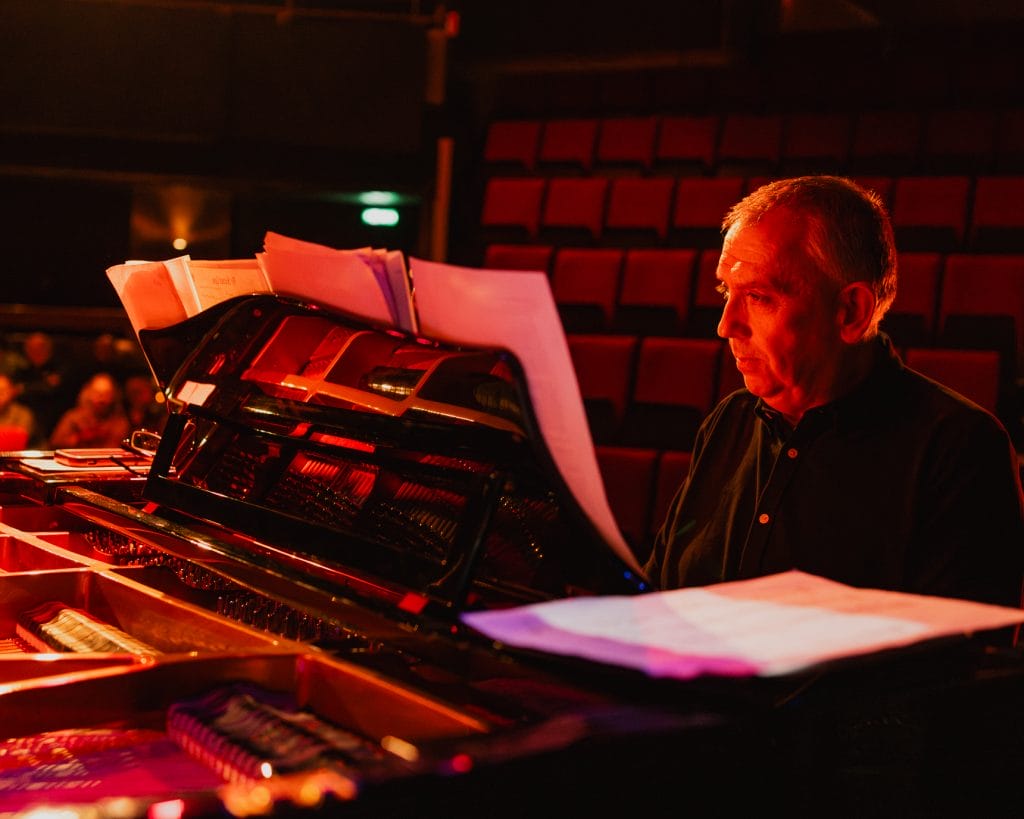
[(836, 459)]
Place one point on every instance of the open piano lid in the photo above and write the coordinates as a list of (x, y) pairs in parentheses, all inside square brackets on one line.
[(413, 469)]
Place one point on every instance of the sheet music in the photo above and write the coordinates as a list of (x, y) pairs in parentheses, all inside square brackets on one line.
[(148, 293), (515, 310), (217, 281), (766, 626), (354, 281)]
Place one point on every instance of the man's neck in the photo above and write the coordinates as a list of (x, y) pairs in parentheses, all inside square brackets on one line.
[(854, 366)]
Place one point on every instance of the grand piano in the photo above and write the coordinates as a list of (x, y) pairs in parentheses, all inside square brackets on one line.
[(260, 611)]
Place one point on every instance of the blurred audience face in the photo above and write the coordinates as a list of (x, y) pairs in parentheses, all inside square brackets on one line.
[(100, 395), (38, 349)]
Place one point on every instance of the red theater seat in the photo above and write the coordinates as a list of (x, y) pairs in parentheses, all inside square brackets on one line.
[(930, 212), (638, 210), (585, 285), (604, 366), (628, 474), (518, 257), (700, 205), (512, 208), (625, 145), (573, 210), (997, 219), (567, 145), (675, 388), (655, 294), (686, 145), (706, 306), (511, 146), (911, 319), (981, 306)]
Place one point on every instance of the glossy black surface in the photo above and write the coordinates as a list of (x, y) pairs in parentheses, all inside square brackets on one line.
[(415, 463)]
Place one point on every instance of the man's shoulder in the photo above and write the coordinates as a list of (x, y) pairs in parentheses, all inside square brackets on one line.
[(926, 395), (931, 411)]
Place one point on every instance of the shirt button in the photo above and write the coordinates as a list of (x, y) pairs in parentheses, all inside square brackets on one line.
[(763, 518), (791, 452)]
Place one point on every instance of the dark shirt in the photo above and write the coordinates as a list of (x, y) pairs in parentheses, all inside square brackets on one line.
[(901, 484)]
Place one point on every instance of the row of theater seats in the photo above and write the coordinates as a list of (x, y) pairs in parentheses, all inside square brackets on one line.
[(654, 391), (903, 141), (967, 300), (942, 213)]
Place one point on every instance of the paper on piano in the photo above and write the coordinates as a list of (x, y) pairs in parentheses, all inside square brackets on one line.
[(515, 310), (158, 294), (367, 283), (150, 295), (217, 281), (767, 626)]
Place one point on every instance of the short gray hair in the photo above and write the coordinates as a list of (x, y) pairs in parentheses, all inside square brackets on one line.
[(849, 233)]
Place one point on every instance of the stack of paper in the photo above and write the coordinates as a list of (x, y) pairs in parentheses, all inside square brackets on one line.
[(766, 626), (368, 283)]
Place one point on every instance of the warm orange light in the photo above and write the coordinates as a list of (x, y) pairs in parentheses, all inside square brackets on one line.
[(180, 243)]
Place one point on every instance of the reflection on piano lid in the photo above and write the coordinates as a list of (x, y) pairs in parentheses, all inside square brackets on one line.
[(415, 464)]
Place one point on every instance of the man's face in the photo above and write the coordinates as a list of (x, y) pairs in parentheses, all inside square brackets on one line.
[(780, 314)]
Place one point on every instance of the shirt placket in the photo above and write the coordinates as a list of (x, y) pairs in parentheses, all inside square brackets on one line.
[(784, 463)]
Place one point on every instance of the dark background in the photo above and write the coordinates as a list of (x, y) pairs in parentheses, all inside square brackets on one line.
[(121, 118)]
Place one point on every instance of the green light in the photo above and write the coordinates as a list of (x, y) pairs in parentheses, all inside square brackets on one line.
[(379, 198), (380, 217)]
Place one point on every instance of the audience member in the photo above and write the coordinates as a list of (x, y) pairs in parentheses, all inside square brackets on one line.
[(97, 420), (18, 428), (45, 381)]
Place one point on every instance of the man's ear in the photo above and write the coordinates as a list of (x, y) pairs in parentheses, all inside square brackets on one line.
[(856, 311)]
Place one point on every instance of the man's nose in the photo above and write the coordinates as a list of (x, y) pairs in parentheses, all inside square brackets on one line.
[(730, 324)]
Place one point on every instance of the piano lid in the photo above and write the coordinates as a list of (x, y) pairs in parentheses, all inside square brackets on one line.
[(415, 466)]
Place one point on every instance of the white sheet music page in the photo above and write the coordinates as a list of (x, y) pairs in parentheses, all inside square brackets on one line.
[(335, 278), (515, 310), (220, 280), (766, 626), (148, 293)]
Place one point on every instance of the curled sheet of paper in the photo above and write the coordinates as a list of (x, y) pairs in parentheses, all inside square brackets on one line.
[(515, 310)]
